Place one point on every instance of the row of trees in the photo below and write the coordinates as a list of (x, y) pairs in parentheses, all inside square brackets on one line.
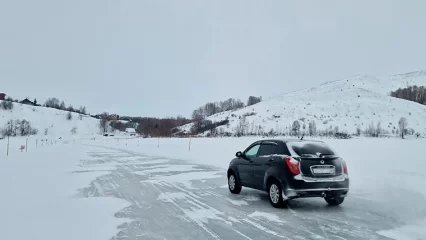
[(299, 128), (411, 93), (18, 128), (212, 108), (56, 103)]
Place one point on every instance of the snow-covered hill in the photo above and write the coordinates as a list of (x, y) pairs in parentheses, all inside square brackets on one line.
[(347, 103), (55, 121)]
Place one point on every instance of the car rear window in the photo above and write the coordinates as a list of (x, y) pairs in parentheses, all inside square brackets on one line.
[(267, 149), (311, 149)]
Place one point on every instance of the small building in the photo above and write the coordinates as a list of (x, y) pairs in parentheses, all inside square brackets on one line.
[(131, 131), (28, 102), (2, 96)]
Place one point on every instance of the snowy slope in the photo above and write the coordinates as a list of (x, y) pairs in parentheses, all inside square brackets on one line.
[(52, 119), (345, 103)]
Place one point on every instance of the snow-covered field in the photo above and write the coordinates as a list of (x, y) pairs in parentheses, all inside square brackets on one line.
[(85, 189), (40, 197), (346, 104), (380, 170)]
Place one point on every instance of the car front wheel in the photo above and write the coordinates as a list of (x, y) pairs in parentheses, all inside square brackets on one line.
[(275, 193), (233, 185), (335, 201)]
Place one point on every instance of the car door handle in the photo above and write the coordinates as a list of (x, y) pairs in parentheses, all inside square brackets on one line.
[(271, 160)]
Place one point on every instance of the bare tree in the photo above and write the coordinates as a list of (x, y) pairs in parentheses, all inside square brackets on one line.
[(358, 130), (296, 128), (312, 128), (253, 100), (73, 130), (6, 105), (403, 124), (46, 131), (242, 127), (82, 110), (379, 129), (62, 106), (336, 129), (103, 123), (52, 103), (69, 116)]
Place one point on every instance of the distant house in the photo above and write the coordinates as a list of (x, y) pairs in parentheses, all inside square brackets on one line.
[(131, 131), (28, 102), (2, 96)]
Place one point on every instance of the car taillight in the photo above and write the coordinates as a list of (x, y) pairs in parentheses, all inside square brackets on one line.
[(345, 168), (293, 165)]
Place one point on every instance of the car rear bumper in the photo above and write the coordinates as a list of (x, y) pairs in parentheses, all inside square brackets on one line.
[(309, 188), (319, 192)]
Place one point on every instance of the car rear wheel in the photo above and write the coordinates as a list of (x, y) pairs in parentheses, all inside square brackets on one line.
[(334, 201), (233, 185), (275, 193)]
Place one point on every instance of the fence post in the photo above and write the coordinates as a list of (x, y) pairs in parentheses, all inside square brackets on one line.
[(36, 143), (189, 149), (158, 144), (26, 145), (7, 154)]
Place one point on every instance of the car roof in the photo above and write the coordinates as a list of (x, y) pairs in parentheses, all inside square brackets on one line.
[(287, 140)]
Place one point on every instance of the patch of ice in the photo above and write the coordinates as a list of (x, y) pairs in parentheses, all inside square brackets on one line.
[(172, 168), (237, 202), (170, 197), (233, 219), (268, 216), (264, 229), (153, 162), (413, 231), (186, 178), (252, 198), (203, 215)]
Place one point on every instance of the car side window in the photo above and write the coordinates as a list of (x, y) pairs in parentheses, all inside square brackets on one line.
[(252, 152), (267, 149)]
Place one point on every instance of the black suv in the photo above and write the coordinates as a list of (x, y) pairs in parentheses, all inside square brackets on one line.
[(290, 168)]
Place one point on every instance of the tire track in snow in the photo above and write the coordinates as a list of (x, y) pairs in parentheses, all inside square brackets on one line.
[(206, 210)]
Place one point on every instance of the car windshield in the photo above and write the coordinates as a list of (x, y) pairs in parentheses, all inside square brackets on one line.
[(310, 149)]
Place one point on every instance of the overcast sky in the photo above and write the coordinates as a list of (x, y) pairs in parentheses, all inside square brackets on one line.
[(165, 57)]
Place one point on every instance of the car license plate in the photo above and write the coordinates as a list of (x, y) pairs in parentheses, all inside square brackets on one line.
[(323, 170)]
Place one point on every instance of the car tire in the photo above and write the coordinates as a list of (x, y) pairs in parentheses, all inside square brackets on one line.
[(334, 201), (275, 194), (233, 185)]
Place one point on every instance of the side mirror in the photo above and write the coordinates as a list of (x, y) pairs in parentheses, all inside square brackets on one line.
[(239, 154)]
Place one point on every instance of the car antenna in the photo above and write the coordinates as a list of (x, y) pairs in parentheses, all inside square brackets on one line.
[(302, 136)]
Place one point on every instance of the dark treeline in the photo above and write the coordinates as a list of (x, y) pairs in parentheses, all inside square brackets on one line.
[(412, 93), (56, 103), (160, 126), (212, 108), (146, 126)]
